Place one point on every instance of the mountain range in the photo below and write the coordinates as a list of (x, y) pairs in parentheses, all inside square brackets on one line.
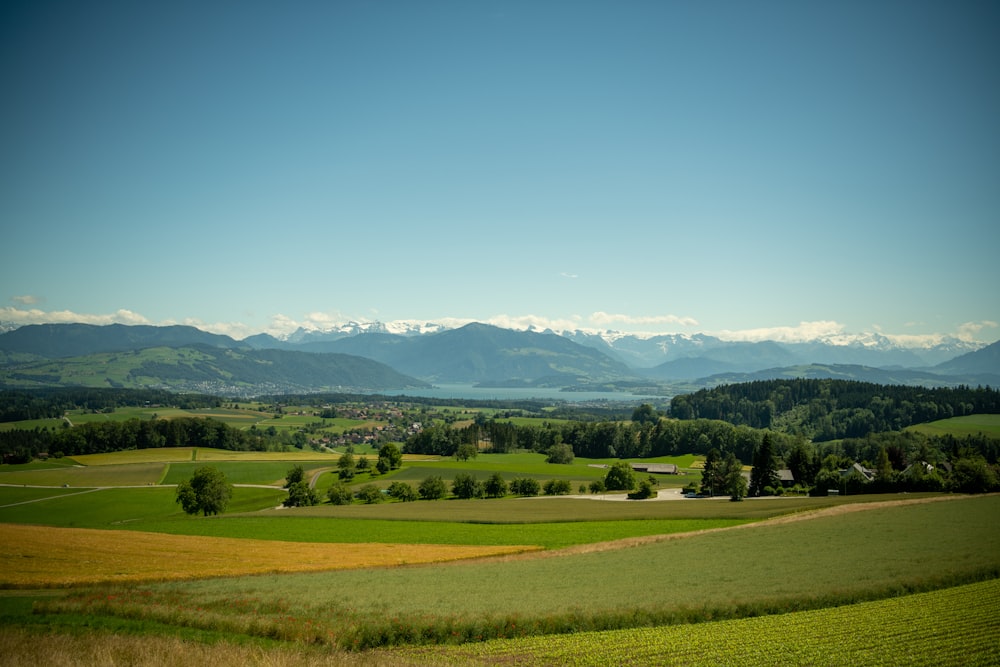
[(375, 356)]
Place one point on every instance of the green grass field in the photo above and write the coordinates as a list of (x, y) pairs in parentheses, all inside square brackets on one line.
[(968, 425)]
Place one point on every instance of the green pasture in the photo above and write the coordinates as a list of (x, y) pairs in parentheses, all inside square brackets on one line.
[(284, 525), (961, 426), (32, 424), (118, 507), (756, 569), (135, 474), (15, 495), (240, 472)]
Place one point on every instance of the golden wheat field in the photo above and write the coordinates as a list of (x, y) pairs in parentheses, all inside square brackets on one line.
[(37, 556)]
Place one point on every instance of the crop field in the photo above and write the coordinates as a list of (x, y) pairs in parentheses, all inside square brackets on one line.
[(33, 556), (967, 425), (756, 569), (955, 626)]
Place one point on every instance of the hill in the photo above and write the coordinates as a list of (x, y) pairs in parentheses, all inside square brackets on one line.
[(55, 341), (210, 369), (484, 354)]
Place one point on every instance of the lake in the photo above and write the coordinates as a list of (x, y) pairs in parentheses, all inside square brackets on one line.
[(469, 391)]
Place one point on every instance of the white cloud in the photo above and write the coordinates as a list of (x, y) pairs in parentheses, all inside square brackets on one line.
[(25, 300), (805, 331), (605, 320), (36, 316), (970, 330), (524, 322), (564, 274)]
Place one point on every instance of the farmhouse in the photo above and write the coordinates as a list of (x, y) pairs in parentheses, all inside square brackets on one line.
[(656, 468)]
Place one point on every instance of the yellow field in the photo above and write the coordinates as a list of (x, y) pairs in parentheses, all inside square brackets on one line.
[(37, 556), (205, 454)]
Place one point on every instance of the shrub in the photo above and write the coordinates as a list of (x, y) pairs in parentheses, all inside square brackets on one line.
[(369, 494), (402, 491), (645, 491), (597, 486)]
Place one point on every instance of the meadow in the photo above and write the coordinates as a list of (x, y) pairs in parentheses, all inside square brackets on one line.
[(967, 425), (511, 581)]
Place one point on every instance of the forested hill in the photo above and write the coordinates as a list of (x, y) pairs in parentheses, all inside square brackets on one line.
[(830, 409)]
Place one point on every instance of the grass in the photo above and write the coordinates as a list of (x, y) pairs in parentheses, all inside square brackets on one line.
[(240, 472), (842, 558), (968, 425), (547, 535), (119, 507), (135, 474)]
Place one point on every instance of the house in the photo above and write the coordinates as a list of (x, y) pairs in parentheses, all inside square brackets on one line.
[(864, 472), (656, 468)]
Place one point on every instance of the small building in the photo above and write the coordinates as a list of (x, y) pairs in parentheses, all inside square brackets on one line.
[(656, 468)]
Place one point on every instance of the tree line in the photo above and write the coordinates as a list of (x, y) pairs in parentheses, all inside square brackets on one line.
[(23, 404), (599, 440), (22, 445), (826, 409)]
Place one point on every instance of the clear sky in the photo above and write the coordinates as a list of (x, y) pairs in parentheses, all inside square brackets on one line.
[(718, 166)]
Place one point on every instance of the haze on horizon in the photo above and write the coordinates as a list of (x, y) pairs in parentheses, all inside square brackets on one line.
[(775, 170)]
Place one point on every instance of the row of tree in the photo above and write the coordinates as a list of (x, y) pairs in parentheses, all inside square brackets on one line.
[(21, 445), (825, 409), (23, 404)]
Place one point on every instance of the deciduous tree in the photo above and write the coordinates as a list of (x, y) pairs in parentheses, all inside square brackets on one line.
[(207, 492)]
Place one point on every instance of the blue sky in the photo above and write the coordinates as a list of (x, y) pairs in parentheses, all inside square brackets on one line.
[(721, 166)]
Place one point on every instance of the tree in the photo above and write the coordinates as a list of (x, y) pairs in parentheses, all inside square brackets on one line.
[(559, 453), (495, 486), (712, 479), (295, 474), (557, 487), (346, 461), (466, 452), (972, 474), (339, 494), (597, 486), (735, 484), (402, 491), (645, 413), (466, 486), (620, 477), (207, 492), (300, 495), (390, 453), (432, 488), (525, 486), (765, 468)]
